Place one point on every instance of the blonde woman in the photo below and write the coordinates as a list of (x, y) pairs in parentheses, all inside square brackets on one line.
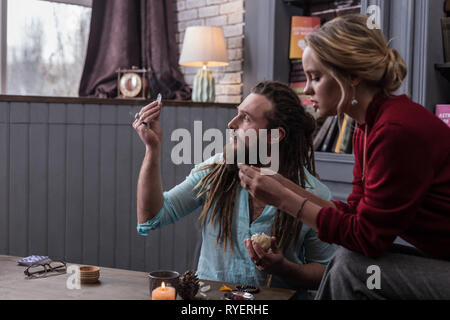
[(401, 185)]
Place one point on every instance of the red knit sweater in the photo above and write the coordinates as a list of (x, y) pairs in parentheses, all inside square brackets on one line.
[(406, 190)]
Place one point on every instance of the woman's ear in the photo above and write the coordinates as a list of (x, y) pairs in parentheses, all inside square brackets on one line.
[(355, 81), (281, 135)]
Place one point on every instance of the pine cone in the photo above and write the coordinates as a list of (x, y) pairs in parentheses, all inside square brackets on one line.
[(188, 285)]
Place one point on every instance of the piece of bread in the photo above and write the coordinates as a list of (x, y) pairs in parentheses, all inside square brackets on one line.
[(263, 240)]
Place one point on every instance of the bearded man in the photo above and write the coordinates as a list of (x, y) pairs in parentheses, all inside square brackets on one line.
[(296, 258)]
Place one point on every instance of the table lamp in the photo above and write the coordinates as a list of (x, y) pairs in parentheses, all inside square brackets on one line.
[(203, 46)]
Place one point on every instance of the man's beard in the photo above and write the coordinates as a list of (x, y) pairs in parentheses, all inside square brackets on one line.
[(242, 154), (252, 150)]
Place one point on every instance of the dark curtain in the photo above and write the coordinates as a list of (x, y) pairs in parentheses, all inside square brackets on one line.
[(132, 33)]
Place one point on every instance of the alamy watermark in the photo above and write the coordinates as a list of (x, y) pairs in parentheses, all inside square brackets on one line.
[(73, 281), (374, 19), (251, 146), (374, 280)]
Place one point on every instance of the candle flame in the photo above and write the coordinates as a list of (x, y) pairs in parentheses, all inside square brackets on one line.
[(163, 285)]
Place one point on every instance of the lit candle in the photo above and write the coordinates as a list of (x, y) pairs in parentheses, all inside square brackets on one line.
[(163, 293)]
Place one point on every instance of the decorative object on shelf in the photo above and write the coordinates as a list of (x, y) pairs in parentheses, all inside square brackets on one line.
[(327, 145), (204, 46), (132, 83), (189, 285)]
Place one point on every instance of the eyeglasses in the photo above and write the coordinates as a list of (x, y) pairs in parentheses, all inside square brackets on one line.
[(45, 268)]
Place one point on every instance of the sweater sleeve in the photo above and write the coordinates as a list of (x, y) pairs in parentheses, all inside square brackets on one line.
[(357, 189), (398, 174)]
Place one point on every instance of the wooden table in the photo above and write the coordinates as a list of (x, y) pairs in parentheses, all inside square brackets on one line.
[(114, 284)]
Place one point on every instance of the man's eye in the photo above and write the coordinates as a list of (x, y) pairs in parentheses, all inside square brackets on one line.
[(315, 79)]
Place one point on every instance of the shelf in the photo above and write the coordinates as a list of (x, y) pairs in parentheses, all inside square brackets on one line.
[(444, 69), (334, 157), (304, 4)]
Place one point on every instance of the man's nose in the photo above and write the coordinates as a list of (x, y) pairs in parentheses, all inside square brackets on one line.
[(232, 123)]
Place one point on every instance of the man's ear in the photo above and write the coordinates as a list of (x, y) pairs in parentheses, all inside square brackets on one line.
[(281, 135)]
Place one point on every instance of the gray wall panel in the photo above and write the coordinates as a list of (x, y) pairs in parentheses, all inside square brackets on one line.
[(38, 183), (74, 184), (107, 185), (91, 184), (19, 180), (4, 177), (70, 182), (56, 180), (123, 190)]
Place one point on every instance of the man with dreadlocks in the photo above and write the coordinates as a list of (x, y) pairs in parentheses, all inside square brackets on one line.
[(230, 216)]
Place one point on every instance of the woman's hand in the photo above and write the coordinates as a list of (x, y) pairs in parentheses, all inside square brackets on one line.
[(151, 133), (265, 188), (270, 261)]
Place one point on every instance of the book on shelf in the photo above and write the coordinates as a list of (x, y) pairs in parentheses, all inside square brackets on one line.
[(345, 142), (297, 78), (321, 134), (296, 65), (300, 84), (300, 28), (331, 135), (333, 146), (296, 72), (443, 113), (306, 100), (298, 87), (340, 134), (445, 26)]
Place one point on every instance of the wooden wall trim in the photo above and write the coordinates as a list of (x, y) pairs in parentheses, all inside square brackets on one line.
[(128, 102)]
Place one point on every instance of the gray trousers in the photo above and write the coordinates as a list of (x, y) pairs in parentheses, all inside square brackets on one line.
[(349, 276)]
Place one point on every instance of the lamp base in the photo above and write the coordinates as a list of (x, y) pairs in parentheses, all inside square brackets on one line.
[(203, 88)]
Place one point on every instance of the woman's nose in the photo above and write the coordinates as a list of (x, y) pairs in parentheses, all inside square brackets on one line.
[(308, 89)]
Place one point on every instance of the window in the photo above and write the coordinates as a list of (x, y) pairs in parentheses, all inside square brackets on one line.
[(46, 44)]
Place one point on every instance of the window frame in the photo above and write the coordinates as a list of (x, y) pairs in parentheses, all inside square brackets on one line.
[(4, 35)]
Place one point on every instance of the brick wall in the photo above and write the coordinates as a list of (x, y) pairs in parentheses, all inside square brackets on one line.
[(228, 14)]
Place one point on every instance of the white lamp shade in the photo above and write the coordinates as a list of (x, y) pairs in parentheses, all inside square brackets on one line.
[(204, 45)]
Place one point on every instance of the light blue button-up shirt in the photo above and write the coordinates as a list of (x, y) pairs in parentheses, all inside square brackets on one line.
[(219, 265)]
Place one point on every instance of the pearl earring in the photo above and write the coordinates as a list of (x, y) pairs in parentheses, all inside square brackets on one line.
[(354, 101)]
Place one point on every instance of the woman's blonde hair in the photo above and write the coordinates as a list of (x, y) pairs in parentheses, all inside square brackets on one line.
[(349, 48)]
